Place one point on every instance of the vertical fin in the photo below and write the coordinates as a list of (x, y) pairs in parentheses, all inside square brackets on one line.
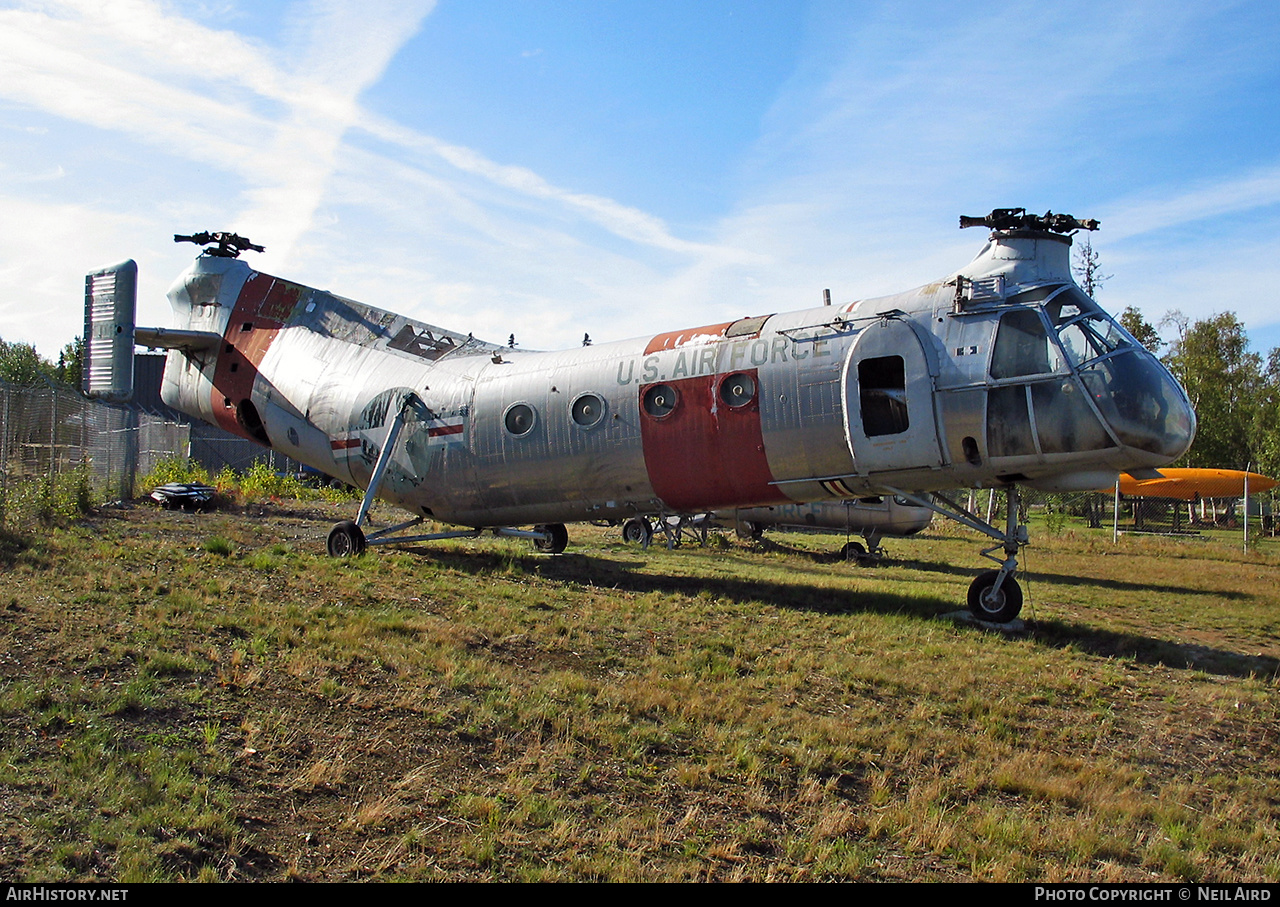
[(110, 304)]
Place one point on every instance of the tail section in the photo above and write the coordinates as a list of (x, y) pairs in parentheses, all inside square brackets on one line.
[(110, 303)]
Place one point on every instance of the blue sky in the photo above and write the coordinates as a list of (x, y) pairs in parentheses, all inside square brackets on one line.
[(551, 169)]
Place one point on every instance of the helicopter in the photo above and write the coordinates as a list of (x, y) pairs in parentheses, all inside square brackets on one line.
[(1000, 375)]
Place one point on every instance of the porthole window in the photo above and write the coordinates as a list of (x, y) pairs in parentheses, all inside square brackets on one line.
[(659, 400), (737, 390), (587, 410), (520, 419)]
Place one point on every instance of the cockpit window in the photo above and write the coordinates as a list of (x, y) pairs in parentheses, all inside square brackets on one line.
[(1069, 304), (1141, 401), (1023, 347), (1083, 329), (1088, 338)]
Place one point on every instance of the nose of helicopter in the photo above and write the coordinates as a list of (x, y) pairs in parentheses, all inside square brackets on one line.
[(1144, 404)]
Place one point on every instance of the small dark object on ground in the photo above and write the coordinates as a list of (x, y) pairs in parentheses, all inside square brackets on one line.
[(184, 496)]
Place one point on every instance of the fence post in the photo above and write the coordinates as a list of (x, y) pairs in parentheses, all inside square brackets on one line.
[(1246, 508), (1115, 515)]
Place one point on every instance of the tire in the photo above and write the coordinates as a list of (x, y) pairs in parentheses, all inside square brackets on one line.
[(636, 531), (557, 537), (346, 540), (1007, 603), (853, 551), (748, 531)]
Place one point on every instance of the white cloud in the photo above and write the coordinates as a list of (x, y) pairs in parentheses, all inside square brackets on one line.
[(893, 126)]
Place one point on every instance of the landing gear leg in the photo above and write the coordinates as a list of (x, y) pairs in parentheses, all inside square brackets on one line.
[(994, 595), (347, 539)]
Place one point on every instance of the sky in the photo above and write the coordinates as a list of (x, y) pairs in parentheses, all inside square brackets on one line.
[(554, 168)]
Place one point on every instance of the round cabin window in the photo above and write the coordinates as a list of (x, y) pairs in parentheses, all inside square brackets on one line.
[(737, 390), (660, 400), (587, 410), (520, 419)]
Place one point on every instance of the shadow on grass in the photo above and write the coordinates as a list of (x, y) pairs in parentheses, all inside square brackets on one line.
[(603, 572), (12, 544), (1057, 579), (1147, 650)]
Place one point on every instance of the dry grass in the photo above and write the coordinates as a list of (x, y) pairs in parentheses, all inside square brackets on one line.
[(248, 709)]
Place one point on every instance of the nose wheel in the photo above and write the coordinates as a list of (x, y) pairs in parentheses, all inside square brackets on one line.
[(994, 600), (994, 595)]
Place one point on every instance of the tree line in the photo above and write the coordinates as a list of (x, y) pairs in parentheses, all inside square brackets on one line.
[(20, 364)]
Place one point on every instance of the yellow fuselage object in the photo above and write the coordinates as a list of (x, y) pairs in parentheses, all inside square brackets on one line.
[(1189, 484)]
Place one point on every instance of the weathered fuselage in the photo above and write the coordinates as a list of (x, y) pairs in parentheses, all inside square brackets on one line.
[(1004, 372)]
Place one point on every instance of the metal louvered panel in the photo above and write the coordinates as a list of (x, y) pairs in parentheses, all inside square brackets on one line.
[(110, 300)]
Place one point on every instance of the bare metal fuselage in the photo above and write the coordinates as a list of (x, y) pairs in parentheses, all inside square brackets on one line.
[(1005, 372)]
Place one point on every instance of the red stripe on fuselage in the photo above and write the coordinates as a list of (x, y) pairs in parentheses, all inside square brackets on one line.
[(673, 339), (704, 455), (264, 305)]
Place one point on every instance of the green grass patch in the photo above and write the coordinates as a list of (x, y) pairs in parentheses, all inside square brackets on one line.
[(207, 697)]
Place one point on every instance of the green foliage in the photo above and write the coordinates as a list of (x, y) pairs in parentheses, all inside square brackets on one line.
[(21, 364), (70, 367), (1055, 513), (174, 469), (1133, 321), (1224, 381), (263, 482), (219, 545), (1266, 427), (48, 499)]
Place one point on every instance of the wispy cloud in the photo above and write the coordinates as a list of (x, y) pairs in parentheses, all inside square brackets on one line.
[(1251, 191), (894, 122)]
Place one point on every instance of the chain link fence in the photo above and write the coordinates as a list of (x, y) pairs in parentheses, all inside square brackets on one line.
[(47, 432)]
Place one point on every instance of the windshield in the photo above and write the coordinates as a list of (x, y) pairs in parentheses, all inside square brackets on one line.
[(1141, 402)]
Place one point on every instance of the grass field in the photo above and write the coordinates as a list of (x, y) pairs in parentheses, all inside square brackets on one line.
[(208, 697)]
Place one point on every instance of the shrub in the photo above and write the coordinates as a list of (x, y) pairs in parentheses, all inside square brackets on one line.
[(173, 469)]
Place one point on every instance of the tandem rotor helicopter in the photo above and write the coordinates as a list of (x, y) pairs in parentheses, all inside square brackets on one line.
[(1000, 375)]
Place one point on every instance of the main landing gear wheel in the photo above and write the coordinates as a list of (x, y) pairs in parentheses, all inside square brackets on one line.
[(555, 539), (987, 604), (636, 531), (346, 540)]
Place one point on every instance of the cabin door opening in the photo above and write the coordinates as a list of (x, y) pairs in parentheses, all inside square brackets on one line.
[(889, 401)]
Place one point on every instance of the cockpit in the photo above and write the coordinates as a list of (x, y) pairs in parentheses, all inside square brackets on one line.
[(1065, 377)]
